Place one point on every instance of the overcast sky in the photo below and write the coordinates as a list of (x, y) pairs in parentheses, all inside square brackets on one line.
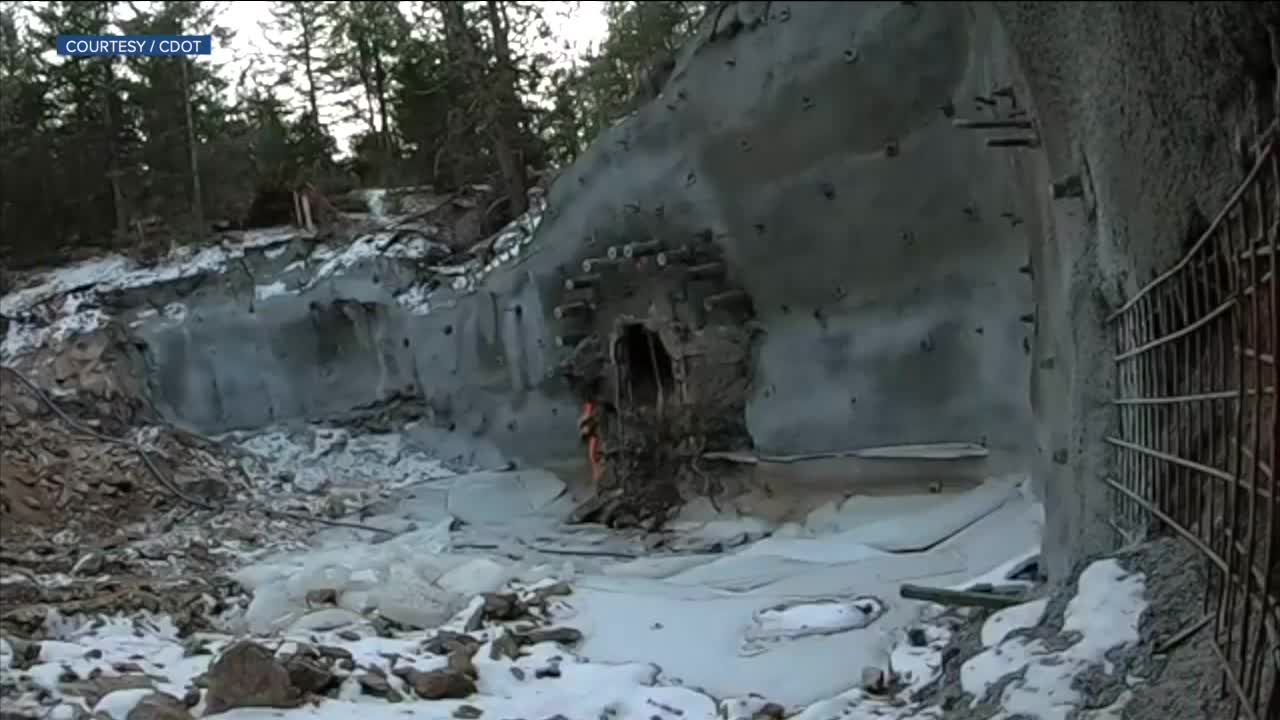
[(577, 25)]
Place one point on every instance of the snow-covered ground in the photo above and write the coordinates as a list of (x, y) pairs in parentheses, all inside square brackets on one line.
[(729, 614)]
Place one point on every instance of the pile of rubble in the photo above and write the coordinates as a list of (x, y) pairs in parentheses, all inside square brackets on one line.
[(139, 670), (73, 478)]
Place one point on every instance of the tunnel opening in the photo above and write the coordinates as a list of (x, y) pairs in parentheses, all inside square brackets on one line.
[(644, 366)]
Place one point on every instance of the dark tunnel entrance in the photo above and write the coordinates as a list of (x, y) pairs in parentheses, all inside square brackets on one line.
[(645, 365)]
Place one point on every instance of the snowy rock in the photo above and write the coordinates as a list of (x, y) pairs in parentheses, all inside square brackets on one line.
[(309, 676), (248, 675), (378, 686), (562, 635), (119, 705), (440, 684), (159, 706)]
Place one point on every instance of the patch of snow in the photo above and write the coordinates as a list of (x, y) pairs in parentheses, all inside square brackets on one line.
[(417, 300), (824, 617), (64, 280), (264, 292), (175, 312), (1019, 617), (77, 315), (315, 458), (117, 705), (34, 324), (375, 201), (1105, 612), (381, 244)]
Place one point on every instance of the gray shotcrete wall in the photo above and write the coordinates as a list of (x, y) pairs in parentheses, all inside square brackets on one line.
[(881, 248), (880, 245)]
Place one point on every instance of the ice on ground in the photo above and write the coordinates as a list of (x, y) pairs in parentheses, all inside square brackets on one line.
[(1105, 613)]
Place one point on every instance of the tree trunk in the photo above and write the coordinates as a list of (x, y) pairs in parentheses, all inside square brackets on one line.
[(113, 150), (507, 112), (308, 40), (197, 199), (497, 95), (380, 89)]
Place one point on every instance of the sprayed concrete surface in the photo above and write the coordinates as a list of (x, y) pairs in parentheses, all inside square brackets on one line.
[(886, 284)]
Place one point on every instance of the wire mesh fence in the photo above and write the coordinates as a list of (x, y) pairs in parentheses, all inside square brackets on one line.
[(1196, 451)]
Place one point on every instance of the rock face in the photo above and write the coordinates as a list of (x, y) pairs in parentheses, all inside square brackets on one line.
[(879, 247), (1154, 130)]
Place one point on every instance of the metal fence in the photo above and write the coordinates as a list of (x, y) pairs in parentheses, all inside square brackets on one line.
[(1197, 450)]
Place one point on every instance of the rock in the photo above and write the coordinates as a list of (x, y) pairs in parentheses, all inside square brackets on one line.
[(191, 698), (349, 635), (553, 590), (505, 645), (503, 606), (208, 488), (195, 646), (917, 638), (460, 662), (475, 620), (517, 673), (90, 564), (25, 652), (308, 676), (550, 671), (445, 643), (323, 596), (440, 684), (467, 712), (375, 685), (878, 682), (330, 652), (248, 675), (769, 711), (159, 706), (95, 688), (563, 635)]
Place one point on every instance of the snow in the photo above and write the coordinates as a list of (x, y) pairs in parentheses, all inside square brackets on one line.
[(721, 620), (313, 459), (816, 618), (264, 292), (1104, 612), (377, 245), (38, 322), (417, 300), (999, 625), (75, 316)]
